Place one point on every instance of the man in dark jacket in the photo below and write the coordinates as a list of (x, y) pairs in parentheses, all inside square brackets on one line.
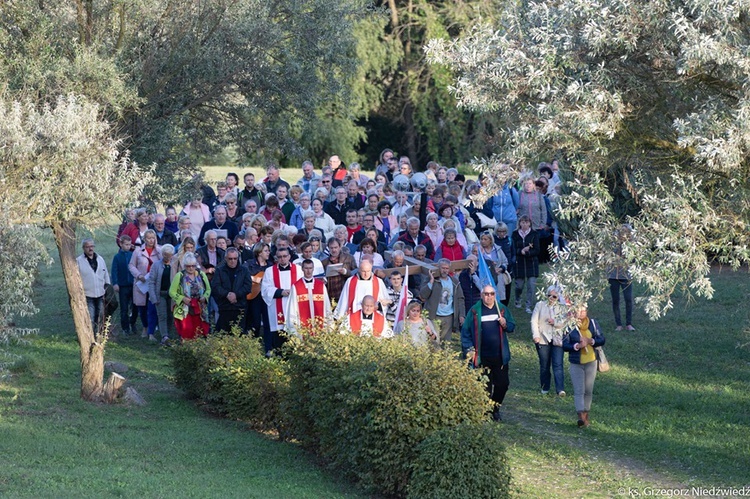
[(485, 342), (229, 288), (219, 223), (163, 235), (250, 192), (413, 237), (337, 209)]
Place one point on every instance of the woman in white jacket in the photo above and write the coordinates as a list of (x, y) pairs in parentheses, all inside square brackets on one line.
[(323, 220), (547, 322)]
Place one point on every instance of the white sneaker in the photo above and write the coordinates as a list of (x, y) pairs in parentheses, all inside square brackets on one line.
[(545, 392), (561, 393), (528, 310)]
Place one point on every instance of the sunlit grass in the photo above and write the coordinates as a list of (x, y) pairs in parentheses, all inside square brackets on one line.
[(673, 411)]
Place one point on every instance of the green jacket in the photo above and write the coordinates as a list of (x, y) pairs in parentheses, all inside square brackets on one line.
[(471, 332), (177, 294)]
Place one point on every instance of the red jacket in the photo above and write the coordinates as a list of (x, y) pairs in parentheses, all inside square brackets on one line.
[(452, 253)]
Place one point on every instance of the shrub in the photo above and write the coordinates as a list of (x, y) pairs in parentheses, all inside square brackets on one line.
[(252, 389), (221, 370), (365, 404), (466, 459)]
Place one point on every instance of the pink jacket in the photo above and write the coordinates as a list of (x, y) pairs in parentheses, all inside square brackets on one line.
[(139, 264)]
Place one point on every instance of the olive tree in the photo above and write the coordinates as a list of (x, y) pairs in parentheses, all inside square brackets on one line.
[(648, 104), (61, 167)]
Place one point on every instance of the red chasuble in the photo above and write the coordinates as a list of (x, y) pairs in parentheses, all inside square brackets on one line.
[(353, 290), (378, 323), (281, 320), (304, 308)]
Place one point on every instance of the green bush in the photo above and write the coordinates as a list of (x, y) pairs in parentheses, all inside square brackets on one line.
[(362, 404), (206, 369), (365, 404), (252, 389), (468, 459)]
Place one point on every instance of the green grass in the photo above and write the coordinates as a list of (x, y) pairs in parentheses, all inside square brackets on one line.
[(56, 445), (674, 411)]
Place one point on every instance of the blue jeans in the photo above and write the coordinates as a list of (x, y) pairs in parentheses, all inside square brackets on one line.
[(627, 294), (551, 355), (153, 319)]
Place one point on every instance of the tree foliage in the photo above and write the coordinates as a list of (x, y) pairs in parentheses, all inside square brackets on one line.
[(408, 102), (60, 167), (648, 103), (182, 79)]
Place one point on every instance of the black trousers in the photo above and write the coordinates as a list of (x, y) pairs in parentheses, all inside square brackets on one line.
[(227, 318), (256, 316), (499, 381)]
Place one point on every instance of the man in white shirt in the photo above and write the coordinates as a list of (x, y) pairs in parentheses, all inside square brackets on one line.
[(94, 275)]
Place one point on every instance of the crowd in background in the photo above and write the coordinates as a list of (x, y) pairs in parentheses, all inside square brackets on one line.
[(216, 261)]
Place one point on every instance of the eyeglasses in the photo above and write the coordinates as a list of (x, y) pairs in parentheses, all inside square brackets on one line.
[(489, 294), (231, 203), (552, 296), (325, 181)]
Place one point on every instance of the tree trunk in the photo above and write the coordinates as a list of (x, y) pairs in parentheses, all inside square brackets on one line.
[(411, 133), (92, 351)]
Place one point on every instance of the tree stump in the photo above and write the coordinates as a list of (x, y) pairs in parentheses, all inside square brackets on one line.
[(112, 388)]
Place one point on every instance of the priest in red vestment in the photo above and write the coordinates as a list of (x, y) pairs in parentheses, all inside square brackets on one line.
[(275, 289), (365, 283), (308, 308), (369, 322)]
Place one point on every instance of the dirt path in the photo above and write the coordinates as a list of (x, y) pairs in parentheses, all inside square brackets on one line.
[(574, 466)]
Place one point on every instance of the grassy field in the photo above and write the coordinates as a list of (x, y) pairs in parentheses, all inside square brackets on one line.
[(216, 174), (56, 445), (673, 412)]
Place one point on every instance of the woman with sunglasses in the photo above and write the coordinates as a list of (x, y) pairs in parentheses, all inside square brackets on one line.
[(234, 212), (190, 291), (547, 323)]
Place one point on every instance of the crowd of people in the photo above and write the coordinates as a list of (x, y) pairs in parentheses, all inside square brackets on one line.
[(274, 259)]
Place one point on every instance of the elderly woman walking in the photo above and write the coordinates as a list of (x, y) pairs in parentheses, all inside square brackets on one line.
[(580, 345), (547, 323), (140, 266), (190, 290), (159, 280)]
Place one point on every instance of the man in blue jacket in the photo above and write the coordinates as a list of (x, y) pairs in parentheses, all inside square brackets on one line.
[(484, 340)]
